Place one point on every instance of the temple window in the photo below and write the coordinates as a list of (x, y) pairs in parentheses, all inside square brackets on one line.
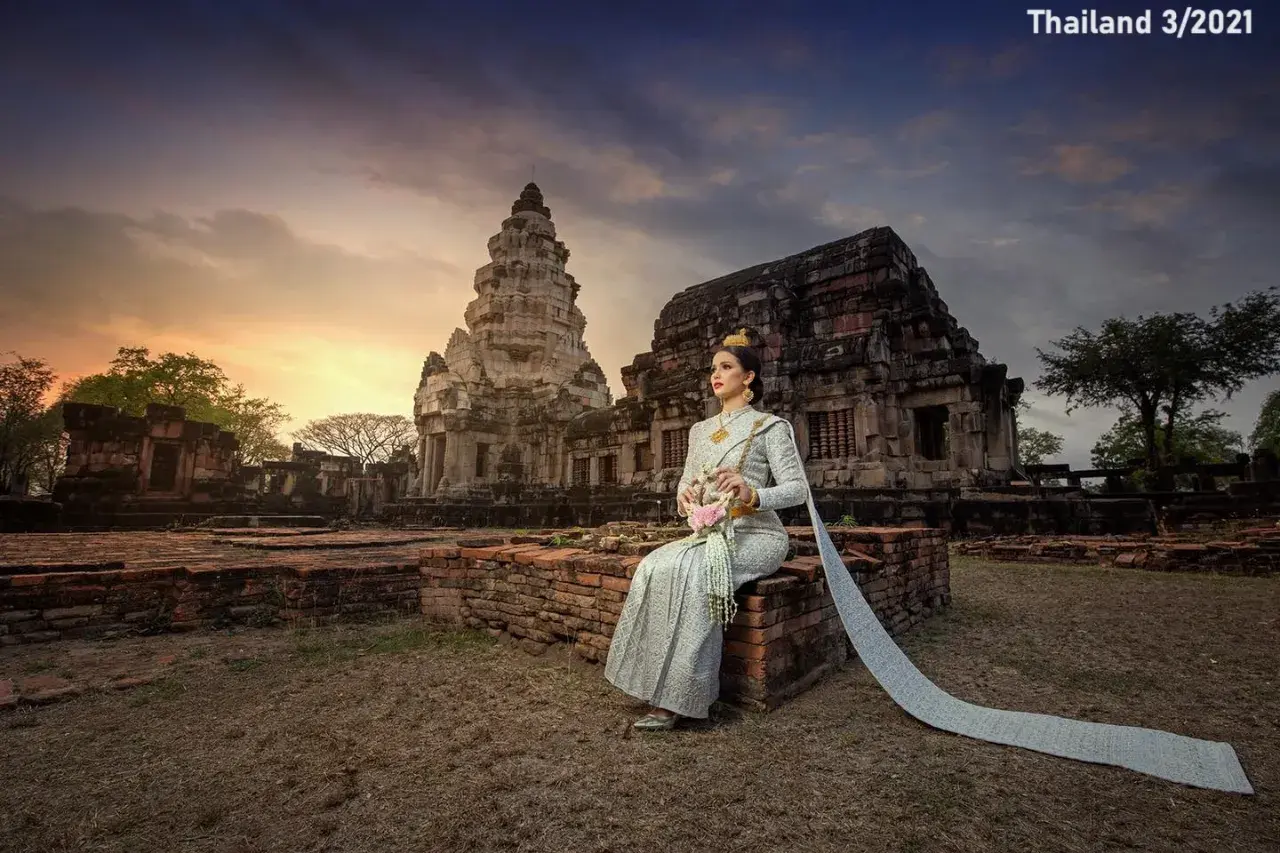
[(644, 457), (582, 471), (831, 435), (609, 469), (675, 447), (931, 432), (482, 461)]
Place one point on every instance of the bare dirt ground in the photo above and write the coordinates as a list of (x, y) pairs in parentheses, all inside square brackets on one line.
[(399, 737)]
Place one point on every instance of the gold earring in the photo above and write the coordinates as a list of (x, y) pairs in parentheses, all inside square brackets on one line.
[(748, 395)]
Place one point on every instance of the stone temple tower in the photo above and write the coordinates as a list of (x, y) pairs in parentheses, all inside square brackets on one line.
[(492, 409)]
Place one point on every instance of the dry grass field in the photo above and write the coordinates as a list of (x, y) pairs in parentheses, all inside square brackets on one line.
[(402, 737)]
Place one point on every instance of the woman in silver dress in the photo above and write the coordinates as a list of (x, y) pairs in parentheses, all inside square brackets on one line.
[(667, 646)]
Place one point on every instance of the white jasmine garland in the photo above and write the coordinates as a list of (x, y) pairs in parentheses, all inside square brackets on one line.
[(712, 521)]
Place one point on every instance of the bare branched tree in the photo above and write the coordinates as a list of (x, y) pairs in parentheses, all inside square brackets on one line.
[(363, 435)]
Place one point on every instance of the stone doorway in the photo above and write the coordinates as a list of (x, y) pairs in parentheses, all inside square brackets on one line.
[(163, 476), (436, 469)]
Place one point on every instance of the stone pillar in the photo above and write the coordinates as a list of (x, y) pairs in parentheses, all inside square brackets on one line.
[(144, 463), (424, 465), (453, 458), (887, 425), (998, 448), (437, 445), (428, 465), (626, 462), (1015, 452), (866, 419), (965, 435), (186, 469)]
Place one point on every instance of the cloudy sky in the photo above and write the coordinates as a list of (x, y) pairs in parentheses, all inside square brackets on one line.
[(302, 191)]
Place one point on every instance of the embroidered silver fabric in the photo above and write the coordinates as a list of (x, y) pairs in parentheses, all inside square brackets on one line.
[(667, 651)]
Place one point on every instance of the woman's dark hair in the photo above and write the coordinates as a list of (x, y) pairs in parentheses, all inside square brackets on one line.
[(750, 362)]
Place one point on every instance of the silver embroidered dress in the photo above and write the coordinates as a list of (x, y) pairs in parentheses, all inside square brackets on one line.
[(666, 648)]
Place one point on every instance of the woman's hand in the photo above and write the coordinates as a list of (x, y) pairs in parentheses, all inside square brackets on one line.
[(729, 480), (686, 499)]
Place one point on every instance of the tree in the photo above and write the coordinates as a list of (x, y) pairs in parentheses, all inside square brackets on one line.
[(26, 428), (1037, 445), (1166, 363), (255, 421), (49, 453), (1201, 437), (1266, 432), (1034, 445), (135, 380), (365, 436)]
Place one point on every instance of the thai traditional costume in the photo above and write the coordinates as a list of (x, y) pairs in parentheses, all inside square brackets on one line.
[(667, 645)]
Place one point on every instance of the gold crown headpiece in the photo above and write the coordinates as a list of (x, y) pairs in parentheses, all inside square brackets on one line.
[(738, 340)]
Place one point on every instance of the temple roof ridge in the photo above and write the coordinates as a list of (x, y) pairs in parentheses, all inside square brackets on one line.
[(883, 235)]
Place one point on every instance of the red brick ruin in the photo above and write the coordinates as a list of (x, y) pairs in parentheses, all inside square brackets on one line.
[(529, 588)]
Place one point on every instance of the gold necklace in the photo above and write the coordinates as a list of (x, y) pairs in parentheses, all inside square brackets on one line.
[(722, 433)]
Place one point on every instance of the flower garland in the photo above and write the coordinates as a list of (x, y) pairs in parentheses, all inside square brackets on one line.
[(712, 520)]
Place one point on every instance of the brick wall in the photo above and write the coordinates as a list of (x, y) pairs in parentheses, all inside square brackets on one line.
[(112, 602), (910, 578), (1242, 552), (785, 636)]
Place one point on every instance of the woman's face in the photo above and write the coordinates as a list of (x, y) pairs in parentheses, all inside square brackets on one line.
[(728, 379)]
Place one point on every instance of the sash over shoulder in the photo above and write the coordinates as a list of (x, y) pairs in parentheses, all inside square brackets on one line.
[(740, 430)]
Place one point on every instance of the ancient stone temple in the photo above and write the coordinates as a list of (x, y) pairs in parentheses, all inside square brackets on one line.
[(889, 396), (161, 455), (143, 471), (493, 409), (884, 388)]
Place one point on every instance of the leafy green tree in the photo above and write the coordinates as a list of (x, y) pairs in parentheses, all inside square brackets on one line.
[(135, 379), (1034, 445), (1266, 432), (1164, 364), (1037, 445), (256, 422), (49, 453), (26, 427), (1201, 437)]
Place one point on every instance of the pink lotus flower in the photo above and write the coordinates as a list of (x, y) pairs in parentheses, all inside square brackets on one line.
[(706, 516)]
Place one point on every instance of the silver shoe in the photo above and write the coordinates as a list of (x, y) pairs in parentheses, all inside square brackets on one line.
[(655, 723)]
